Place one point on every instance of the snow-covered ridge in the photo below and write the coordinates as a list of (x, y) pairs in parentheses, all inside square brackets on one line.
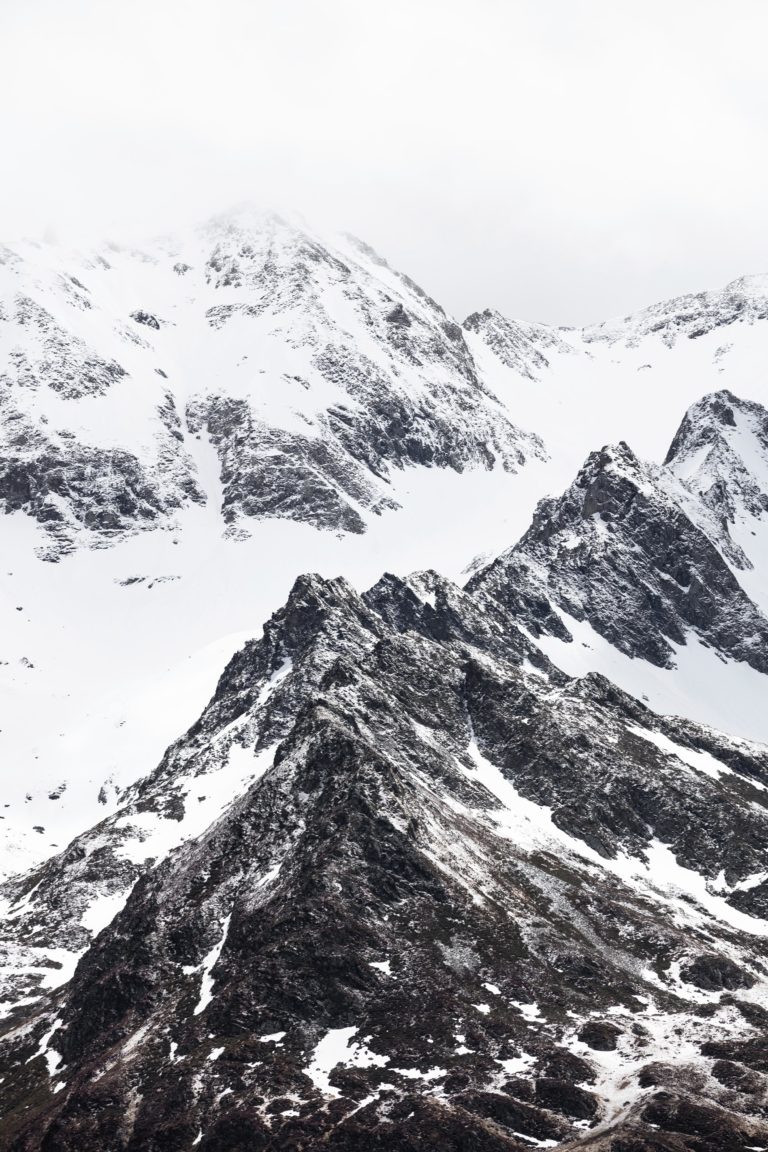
[(690, 316), (720, 452), (520, 346), (401, 873)]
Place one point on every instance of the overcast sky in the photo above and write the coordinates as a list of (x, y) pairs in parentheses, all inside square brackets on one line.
[(562, 160)]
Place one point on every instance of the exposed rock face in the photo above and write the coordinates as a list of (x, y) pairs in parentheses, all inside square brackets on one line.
[(627, 549), (147, 318), (402, 385), (273, 472), (404, 884), (86, 493), (429, 914), (720, 451)]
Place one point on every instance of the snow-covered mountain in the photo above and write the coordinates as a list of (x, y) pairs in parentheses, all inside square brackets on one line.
[(311, 367), (246, 382), (430, 866), (721, 453)]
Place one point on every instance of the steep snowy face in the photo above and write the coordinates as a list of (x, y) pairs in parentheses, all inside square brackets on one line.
[(90, 440), (689, 317), (452, 899), (312, 368), (629, 550), (356, 371), (405, 882), (720, 452)]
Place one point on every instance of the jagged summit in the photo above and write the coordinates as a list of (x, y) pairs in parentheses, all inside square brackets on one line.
[(519, 345), (430, 867), (627, 548), (721, 451)]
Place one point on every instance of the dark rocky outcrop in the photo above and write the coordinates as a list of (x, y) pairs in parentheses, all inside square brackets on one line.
[(418, 873), (624, 549)]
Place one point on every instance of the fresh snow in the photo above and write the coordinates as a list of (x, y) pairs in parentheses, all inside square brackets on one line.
[(700, 761), (529, 1011), (149, 835), (52, 1058), (335, 1048), (101, 675), (102, 911), (723, 694), (382, 965)]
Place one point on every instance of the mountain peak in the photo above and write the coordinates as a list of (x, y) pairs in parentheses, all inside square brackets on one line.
[(310, 367), (400, 930), (711, 418), (518, 344), (629, 549), (247, 216), (720, 453)]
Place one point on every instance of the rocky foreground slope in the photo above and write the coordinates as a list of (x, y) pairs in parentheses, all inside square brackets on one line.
[(459, 900)]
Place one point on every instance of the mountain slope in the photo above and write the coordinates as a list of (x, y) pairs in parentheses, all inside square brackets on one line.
[(520, 346), (189, 426), (619, 550), (720, 451), (404, 933), (743, 301), (215, 335), (404, 882), (644, 574), (628, 378)]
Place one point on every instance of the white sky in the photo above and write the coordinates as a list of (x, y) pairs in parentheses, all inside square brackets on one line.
[(563, 160)]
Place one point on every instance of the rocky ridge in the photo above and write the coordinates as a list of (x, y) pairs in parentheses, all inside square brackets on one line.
[(519, 345), (644, 553), (404, 884), (720, 452), (434, 914)]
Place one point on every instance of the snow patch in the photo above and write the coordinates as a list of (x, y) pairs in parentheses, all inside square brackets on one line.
[(334, 1049), (382, 965), (206, 967)]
